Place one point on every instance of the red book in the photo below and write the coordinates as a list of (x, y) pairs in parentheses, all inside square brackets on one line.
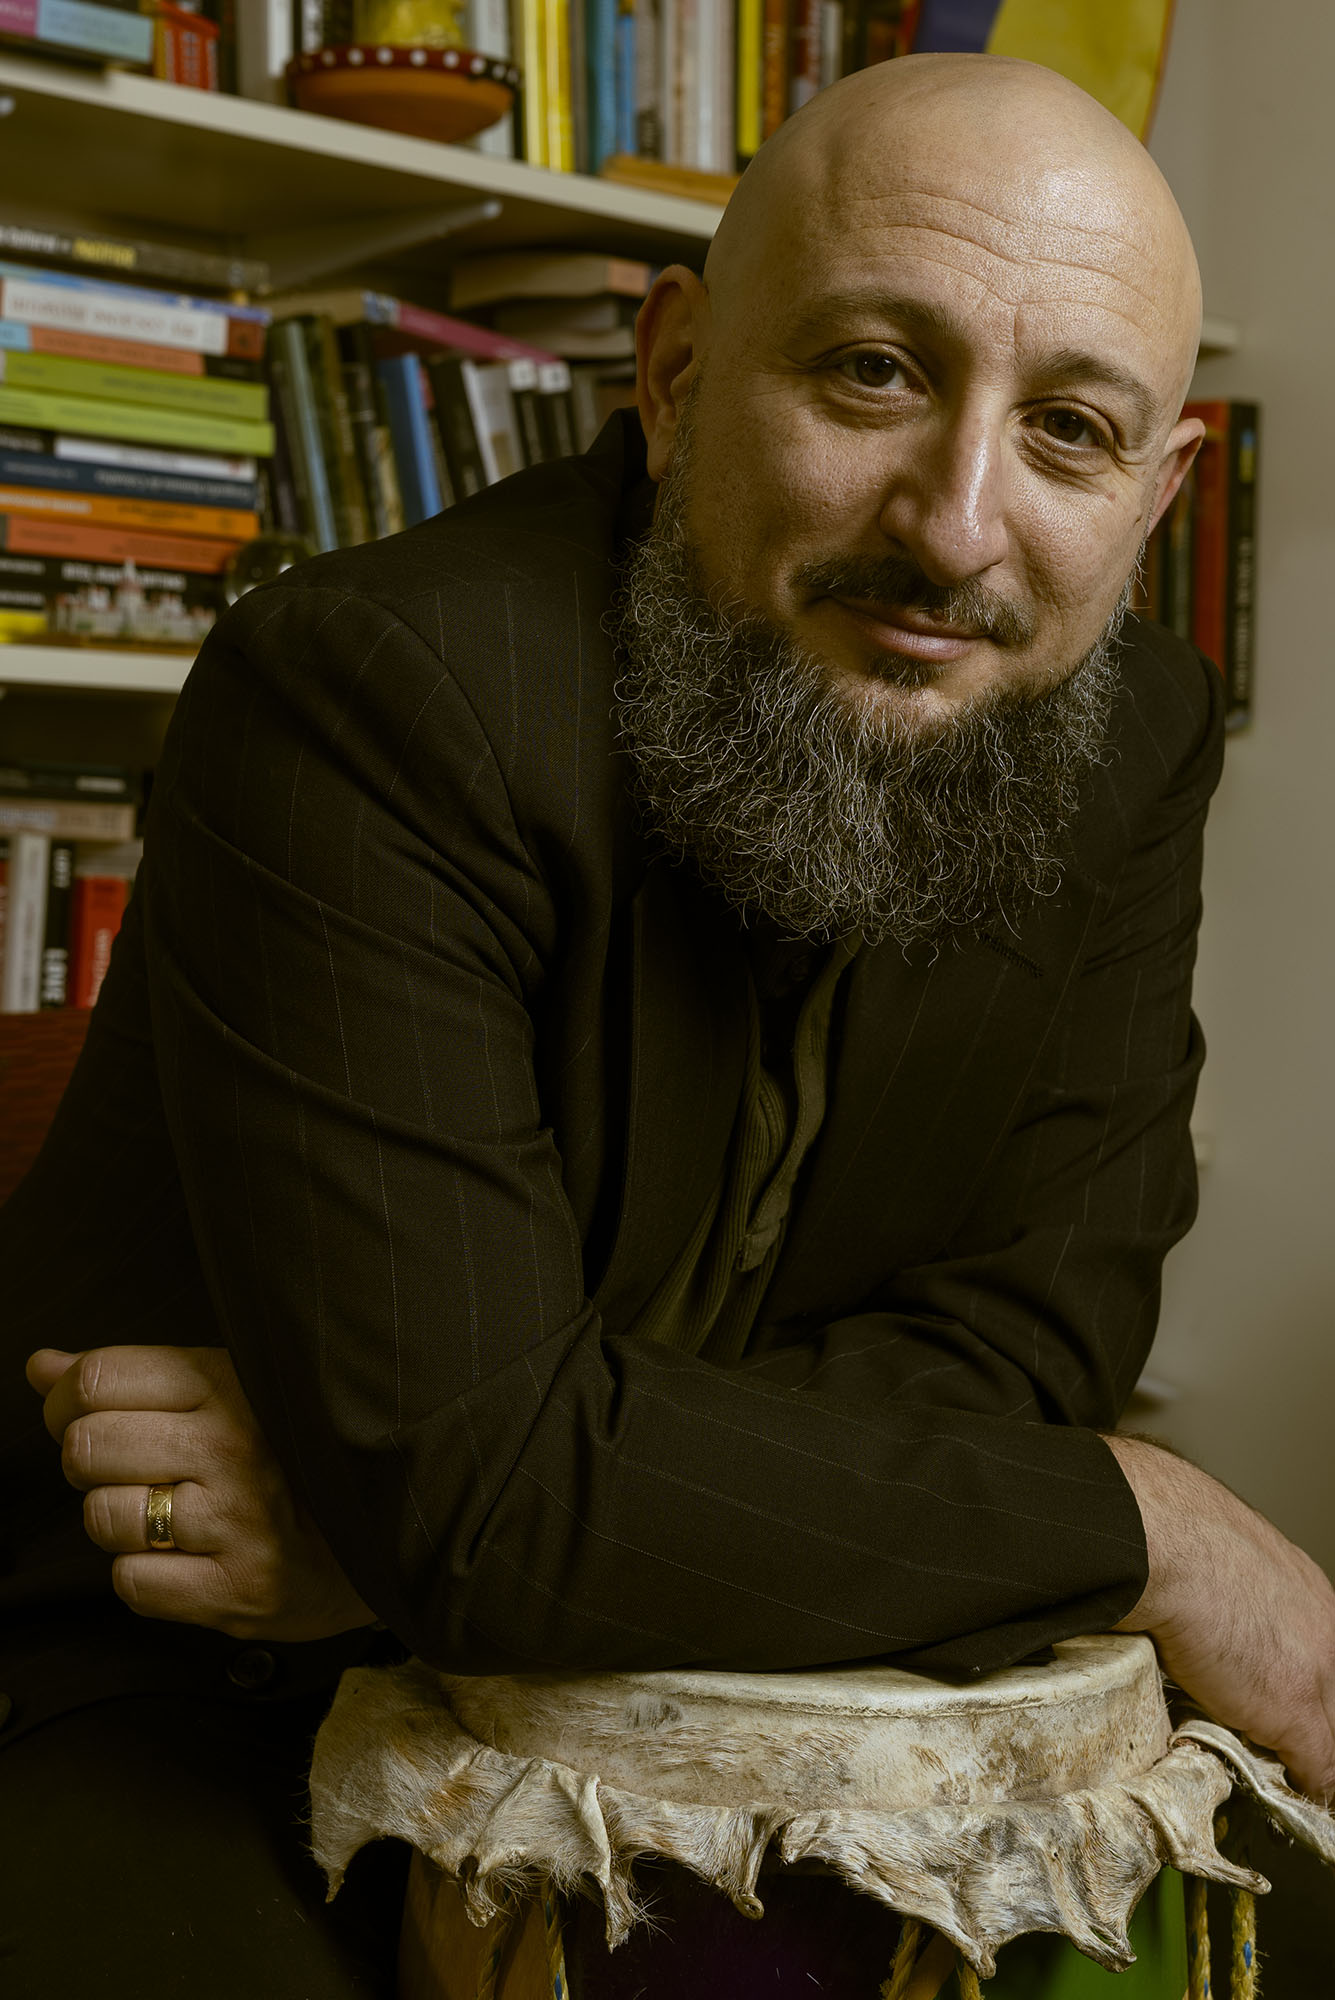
[(95, 917), (774, 89)]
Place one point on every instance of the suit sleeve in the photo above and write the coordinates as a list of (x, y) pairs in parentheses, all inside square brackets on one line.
[(347, 939)]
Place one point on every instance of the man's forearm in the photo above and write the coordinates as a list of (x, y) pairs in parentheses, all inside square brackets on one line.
[(1244, 1621)]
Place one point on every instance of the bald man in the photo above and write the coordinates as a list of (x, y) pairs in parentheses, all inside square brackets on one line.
[(655, 1032)]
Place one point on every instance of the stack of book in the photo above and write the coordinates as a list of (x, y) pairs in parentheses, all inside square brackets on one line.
[(579, 304), (68, 856), (1200, 566), (134, 425), (386, 412), (111, 31)]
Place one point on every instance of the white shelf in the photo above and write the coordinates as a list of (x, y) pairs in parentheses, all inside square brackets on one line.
[(200, 164), (91, 669)]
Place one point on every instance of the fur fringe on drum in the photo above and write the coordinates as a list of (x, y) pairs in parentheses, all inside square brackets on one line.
[(394, 1759)]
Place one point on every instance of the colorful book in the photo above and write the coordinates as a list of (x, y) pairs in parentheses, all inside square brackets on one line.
[(53, 976), (109, 510), (134, 423), (369, 417), (114, 545), (25, 918), (18, 338), (600, 81), (77, 28), (1224, 546), (294, 393), (58, 475), (97, 909), (338, 446), (64, 819), (410, 429), (200, 395), (417, 325), (456, 422), (130, 312), (86, 451), (123, 256), (529, 34)]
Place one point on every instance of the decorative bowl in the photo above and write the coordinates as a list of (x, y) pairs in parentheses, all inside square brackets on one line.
[(445, 94)]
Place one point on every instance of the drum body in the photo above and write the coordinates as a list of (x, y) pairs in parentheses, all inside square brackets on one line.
[(782, 1824)]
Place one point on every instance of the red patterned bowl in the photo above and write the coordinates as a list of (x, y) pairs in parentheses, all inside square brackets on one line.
[(443, 94)]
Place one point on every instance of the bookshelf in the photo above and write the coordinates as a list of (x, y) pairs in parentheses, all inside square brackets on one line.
[(313, 196)]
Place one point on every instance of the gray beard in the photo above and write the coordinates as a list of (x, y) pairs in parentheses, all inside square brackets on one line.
[(829, 815)]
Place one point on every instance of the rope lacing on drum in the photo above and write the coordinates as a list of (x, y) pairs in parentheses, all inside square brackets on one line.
[(1244, 1969)]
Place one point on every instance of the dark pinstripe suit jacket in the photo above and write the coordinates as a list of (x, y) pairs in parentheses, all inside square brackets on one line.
[(413, 1071)]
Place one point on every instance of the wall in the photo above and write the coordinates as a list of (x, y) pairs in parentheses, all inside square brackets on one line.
[(1246, 137)]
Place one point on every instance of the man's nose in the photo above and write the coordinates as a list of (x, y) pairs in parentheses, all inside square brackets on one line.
[(946, 501)]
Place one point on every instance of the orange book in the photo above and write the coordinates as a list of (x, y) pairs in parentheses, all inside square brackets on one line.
[(118, 545), (96, 908), (119, 353), (162, 517)]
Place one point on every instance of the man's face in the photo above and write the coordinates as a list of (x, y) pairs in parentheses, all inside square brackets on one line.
[(928, 438)]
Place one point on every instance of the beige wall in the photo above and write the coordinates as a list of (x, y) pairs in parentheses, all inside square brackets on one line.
[(1246, 135)]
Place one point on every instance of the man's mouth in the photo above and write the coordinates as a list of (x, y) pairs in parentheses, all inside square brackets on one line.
[(915, 633)]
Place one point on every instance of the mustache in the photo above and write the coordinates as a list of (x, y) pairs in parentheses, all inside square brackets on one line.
[(898, 580)]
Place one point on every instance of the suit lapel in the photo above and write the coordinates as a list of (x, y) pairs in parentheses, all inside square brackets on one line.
[(687, 1058)]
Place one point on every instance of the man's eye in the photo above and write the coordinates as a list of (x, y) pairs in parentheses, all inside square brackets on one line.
[(870, 370), (1069, 427)]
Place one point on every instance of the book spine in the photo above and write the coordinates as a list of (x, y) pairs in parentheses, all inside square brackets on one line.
[(21, 974), (774, 83), (60, 538), (337, 444), (126, 353), (649, 108), (64, 819), (804, 54), (556, 411), (1177, 569), (524, 395), (1210, 546), (157, 516), (139, 458), (133, 423), (600, 39), (108, 290), (831, 42), (296, 399), (32, 779), (4, 900), (54, 977), (125, 257), (370, 429), (1240, 593), (623, 78), (750, 76), (96, 912), (557, 93), (76, 27), (456, 427), (50, 303), (584, 403), (723, 140), (409, 430), (201, 395), (49, 575), (67, 476), (529, 41), (440, 330)]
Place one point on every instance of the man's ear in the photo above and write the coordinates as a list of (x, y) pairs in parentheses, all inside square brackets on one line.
[(1184, 441), (669, 334)]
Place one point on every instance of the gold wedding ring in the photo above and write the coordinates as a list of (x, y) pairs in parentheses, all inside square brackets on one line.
[(160, 1517)]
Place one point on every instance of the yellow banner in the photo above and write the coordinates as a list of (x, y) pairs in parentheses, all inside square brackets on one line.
[(1114, 49)]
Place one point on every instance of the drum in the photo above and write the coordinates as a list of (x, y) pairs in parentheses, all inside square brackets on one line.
[(1046, 1798)]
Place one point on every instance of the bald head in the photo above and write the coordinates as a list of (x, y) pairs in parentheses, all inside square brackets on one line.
[(1014, 153)]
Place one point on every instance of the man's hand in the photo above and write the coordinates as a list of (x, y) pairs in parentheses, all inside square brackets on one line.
[(247, 1558), (1243, 1620)]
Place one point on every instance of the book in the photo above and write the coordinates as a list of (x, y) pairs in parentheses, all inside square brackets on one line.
[(338, 447), (294, 395), (135, 423), (25, 924), (523, 376), (1224, 545), (600, 82), (556, 18), (487, 29), (105, 783), (369, 417), (102, 880), (410, 429), (59, 475), (528, 39), (574, 329), (107, 603), (113, 545), (775, 67), (750, 77), (64, 819), (53, 976), (556, 414), (128, 256), (140, 458), (545, 274), (111, 510), (470, 465), (417, 326), (495, 420), (201, 395), (78, 28), (185, 46), (130, 312), (22, 339)]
